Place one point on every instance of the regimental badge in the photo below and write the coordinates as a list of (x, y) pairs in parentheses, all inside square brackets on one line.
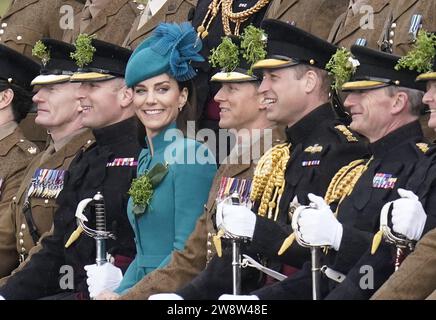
[(313, 149), (423, 147), (31, 150), (311, 163), (347, 133), (46, 183), (383, 181), (123, 162), (230, 185)]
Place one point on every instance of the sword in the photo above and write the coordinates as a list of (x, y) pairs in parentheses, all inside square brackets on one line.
[(250, 262), (236, 255)]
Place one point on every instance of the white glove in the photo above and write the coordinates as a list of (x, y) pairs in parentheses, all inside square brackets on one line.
[(238, 297), (238, 220), (408, 215), (101, 278), (318, 226), (165, 296), (1, 298)]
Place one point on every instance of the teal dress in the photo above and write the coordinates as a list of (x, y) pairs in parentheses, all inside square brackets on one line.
[(176, 204)]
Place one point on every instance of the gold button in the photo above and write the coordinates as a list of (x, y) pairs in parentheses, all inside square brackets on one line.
[(209, 243), (21, 241), (88, 142), (393, 25), (14, 198), (209, 234), (21, 140), (23, 249), (46, 201), (391, 41), (2, 31), (21, 234), (4, 25), (392, 33), (209, 251), (23, 227), (19, 38)]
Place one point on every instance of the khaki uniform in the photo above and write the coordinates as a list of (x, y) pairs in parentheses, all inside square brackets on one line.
[(416, 278), (15, 154), (345, 32), (314, 16), (27, 21), (16, 243), (111, 24), (186, 264), (396, 34), (172, 11), (397, 31)]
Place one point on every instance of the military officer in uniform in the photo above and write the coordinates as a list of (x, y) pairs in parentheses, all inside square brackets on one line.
[(16, 152), (107, 166), (384, 104), (16, 73), (361, 24), (153, 13), (33, 205), (314, 16), (108, 20), (319, 144), (416, 277)]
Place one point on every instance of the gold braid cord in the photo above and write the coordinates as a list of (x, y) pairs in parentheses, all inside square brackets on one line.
[(344, 181), (339, 188), (269, 180), (227, 16)]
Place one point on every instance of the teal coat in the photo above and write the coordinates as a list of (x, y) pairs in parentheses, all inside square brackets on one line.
[(176, 204)]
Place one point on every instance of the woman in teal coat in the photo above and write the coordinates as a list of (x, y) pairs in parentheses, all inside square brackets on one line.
[(174, 173)]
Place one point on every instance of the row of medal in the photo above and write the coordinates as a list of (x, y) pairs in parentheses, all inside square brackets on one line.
[(228, 186), (46, 183)]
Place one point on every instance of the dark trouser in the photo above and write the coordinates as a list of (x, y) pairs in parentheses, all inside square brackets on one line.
[(216, 280)]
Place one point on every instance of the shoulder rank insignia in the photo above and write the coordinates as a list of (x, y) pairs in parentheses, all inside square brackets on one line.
[(313, 149), (31, 150), (423, 147), (347, 133)]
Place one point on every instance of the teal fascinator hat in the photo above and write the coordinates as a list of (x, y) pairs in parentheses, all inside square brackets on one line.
[(171, 49)]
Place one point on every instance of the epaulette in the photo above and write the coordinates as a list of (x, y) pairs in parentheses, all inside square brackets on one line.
[(424, 147), (88, 145), (346, 132), (28, 147)]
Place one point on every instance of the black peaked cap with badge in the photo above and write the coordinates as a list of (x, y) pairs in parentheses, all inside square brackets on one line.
[(109, 61), (17, 68), (377, 70), (428, 76), (59, 67), (288, 45)]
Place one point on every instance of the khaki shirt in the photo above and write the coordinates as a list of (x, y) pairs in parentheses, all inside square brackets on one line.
[(172, 11), (314, 16), (28, 21), (111, 24), (187, 264), (366, 25), (16, 243)]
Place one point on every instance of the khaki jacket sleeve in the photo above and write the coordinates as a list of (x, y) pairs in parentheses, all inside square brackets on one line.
[(416, 278)]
